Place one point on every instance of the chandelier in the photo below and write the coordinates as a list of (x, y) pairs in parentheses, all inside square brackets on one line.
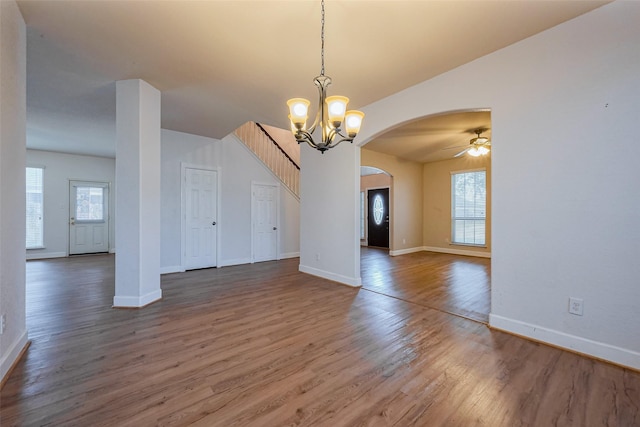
[(332, 112)]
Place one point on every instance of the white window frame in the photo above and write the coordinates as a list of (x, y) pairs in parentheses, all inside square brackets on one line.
[(465, 218), (41, 243)]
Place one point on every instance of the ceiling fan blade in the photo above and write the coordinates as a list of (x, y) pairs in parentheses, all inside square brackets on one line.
[(462, 152), (452, 147)]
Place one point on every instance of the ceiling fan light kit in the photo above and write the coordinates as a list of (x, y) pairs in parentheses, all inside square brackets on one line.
[(332, 112), (479, 146)]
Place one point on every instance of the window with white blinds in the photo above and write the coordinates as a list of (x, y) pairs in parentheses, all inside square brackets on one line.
[(35, 211), (469, 207)]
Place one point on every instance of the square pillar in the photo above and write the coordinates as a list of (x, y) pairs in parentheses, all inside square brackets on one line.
[(137, 194), (13, 125)]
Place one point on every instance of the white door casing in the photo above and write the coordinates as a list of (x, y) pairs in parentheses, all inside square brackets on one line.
[(88, 217), (265, 221), (200, 218)]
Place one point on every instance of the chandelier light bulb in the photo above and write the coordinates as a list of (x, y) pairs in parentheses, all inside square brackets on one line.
[(353, 121), (336, 107), (474, 152), (299, 110)]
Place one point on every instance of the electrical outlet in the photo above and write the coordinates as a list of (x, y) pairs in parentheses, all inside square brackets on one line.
[(404, 241), (317, 257), (3, 323), (576, 306)]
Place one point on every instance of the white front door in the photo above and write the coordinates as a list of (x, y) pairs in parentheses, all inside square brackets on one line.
[(264, 217), (88, 217), (201, 207)]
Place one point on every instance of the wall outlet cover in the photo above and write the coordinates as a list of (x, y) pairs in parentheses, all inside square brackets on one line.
[(576, 306)]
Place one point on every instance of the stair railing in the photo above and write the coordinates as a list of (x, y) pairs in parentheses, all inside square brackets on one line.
[(260, 142)]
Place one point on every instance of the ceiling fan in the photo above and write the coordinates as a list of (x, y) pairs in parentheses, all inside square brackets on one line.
[(478, 146)]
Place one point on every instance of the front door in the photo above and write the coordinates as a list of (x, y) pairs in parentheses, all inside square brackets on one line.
[(201, 207), (88, 217), (265, 221), (378, 225)]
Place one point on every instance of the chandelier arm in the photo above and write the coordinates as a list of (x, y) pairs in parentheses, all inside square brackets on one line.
[(335, 143), (310, 142), (303, 136), (332, 134)]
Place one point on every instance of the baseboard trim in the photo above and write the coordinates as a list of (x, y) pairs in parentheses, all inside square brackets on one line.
[(598, 350), (45, 255), (290, 255), (237, 261), (452, 251), (172, 269), (355, 282), (406, 251), (137, 302), (13, 356)]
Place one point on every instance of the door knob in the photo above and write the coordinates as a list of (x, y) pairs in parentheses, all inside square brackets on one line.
[(213, 223), (275, 228)]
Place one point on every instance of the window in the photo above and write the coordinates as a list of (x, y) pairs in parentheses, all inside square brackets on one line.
[(89, 204), (362, 215), (469, 207), (35, 231), (378, 209)]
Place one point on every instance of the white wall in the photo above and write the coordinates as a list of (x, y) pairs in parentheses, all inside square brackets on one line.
[(12, 183), (240, 169), (177, 148), (330, 213), (565, 199), (59, 169), (237, 168)]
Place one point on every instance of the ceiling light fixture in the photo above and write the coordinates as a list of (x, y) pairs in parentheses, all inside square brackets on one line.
[(478, 151), (478, 146), (332, 111)]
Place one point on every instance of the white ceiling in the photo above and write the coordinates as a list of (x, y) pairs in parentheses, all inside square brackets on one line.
[(219, 64)]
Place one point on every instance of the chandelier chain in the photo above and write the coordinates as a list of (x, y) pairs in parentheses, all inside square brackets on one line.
[(322, 41)]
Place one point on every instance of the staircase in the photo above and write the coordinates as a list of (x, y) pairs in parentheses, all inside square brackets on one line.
[(258, 140)]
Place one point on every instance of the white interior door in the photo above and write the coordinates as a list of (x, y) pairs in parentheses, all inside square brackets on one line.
[(88, 217), (201, 207), (264, 215)]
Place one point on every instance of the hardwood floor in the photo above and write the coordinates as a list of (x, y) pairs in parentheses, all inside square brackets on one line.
[(454, 284), (265, 345)]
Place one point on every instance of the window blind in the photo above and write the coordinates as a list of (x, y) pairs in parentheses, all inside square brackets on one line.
[(35, 211)]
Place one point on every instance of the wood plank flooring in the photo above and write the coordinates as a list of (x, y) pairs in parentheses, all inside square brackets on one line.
[(454, 284), (266, 345)]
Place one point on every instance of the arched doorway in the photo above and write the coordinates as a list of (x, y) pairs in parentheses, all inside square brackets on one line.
[(375, 207), (423, 157)]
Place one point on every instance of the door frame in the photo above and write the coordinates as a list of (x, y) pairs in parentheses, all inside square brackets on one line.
[(103, 184), (366, 212), (183, 209), (253, 213)]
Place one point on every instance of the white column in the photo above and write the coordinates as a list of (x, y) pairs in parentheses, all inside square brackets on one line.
[(12, 183), (330, 213), (137, 194)]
